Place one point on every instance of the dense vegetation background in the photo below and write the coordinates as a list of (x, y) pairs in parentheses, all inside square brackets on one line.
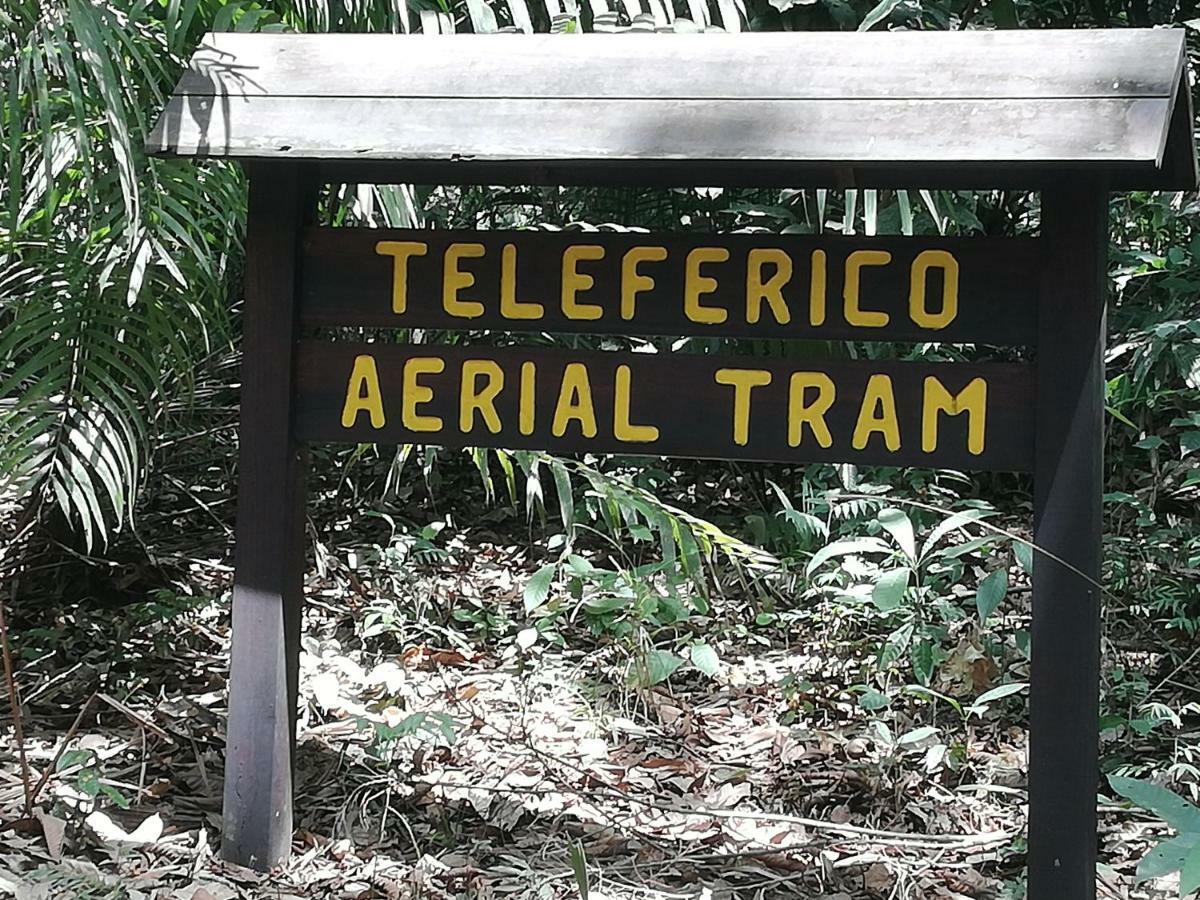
[(883, 612)]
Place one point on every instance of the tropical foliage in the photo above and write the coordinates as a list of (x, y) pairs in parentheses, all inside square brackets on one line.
[(118, 337)]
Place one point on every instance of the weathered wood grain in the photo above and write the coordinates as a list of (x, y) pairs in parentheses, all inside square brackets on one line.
[(1020, 108), (1099, 131), (826, 66), (949, 175), (345, 281), (678, 394)]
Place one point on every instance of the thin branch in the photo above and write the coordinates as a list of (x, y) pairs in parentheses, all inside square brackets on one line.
[(14, 701)]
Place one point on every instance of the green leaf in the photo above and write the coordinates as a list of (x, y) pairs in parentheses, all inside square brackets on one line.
[(566, 498), (873, 700), (1189, 442), (844, 548), (579, 868), (705, 659), (537, 589), (1004, 13), (924, 661), (952, 523), (1189, 875), (889, 590), (990, 594), (659, 666), (1024, 554), (900, 527), (916, 735), (1167, 856), (878, 14), (997, 693), (1165, 804)]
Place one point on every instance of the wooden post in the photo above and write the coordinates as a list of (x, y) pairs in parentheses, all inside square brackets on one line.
[(1068, 483), (269, 557)]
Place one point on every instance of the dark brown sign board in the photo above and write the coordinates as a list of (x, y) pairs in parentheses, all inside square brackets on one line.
[(1068, 114), (947, 415), (950, 290)]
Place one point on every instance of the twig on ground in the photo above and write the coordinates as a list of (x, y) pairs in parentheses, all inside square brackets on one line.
[(14, 701), (37, 788)]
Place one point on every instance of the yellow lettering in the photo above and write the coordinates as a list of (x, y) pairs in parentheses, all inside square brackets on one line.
[(816, 289), (855, 315), (473, 399), (877, 414), (801, 412), (575, 402), (770, 290), (623, 429), (632, 281), (743, 381), (574, 281), (926, 260), (454, 280), (696, 285), (526, 409), (401, 252), (362, 392), (510, 306), (414, 393), (972, 400)]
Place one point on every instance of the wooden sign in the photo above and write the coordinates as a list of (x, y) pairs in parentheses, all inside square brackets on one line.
[(957, 290), (948, 415), (1069, 114)]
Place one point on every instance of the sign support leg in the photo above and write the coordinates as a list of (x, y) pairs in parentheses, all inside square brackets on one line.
[(269, 556), (1068, 485)]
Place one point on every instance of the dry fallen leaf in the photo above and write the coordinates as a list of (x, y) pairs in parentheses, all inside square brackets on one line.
[(54, 830), (108, 831), (878, 879)]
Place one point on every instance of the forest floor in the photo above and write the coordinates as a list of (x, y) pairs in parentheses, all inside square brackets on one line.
[(453, 756)]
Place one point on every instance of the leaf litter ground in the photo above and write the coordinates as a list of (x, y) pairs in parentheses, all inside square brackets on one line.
[(432, 763)]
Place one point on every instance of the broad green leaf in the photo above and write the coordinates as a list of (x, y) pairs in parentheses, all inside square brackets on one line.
[(916, 735), (659, 666), (873, 700), (580, 566), (889, 590), (1165, 804), (705, 659), (537, 589), (1024, 554), (1189, 875), (951, 523), (997, 693), (966, 548), (990, 594), (1167, 856), (899, 526), (924, 661), (844, 548)]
